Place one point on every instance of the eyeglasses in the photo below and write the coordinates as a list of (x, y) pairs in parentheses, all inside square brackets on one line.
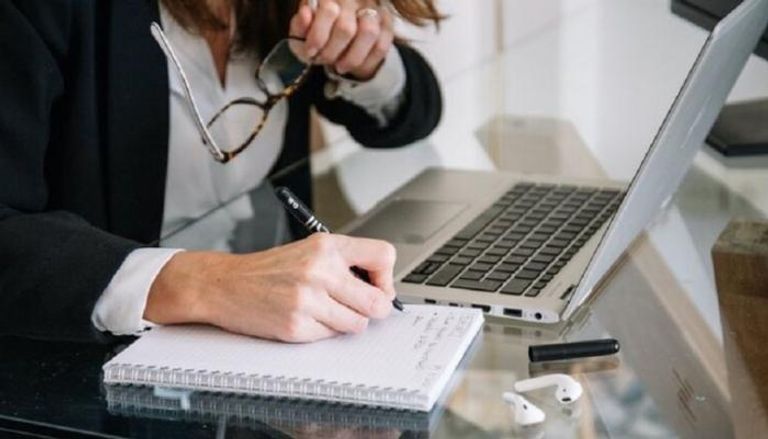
[(278, 77)]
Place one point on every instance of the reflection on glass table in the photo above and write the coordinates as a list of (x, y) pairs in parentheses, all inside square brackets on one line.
[(271, 417)]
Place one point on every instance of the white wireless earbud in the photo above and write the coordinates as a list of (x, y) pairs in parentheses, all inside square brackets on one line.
[(568, 389), (525, 412)]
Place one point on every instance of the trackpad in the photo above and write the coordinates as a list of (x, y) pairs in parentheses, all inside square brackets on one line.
[(409, 221)]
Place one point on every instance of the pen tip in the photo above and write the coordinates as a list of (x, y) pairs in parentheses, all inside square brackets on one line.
[(398, 304)]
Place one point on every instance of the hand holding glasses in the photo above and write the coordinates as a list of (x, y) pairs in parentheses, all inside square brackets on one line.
[(323, 32)]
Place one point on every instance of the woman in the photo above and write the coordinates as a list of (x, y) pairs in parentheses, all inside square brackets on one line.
[(98, 155)]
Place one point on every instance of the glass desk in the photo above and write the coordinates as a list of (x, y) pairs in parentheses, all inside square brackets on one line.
[(582, 98)]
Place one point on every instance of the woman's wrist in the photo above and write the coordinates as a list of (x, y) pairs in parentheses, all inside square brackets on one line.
[(179, 292)]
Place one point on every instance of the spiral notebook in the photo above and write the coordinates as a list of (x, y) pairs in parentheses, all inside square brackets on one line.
[(403, 362)]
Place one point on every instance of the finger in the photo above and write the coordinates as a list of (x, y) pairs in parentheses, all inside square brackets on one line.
[(368, 30), (340, 318), (322, 24), (312, 330), (301, 22), (342, 34), (375, 256), (367, 300), (377, 54)]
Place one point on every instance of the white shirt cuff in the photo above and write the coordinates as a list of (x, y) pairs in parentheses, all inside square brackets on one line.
[(120, 309), (380, 96)]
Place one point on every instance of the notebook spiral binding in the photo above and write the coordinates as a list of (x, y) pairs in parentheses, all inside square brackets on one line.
[(266, 385), (251, 412)]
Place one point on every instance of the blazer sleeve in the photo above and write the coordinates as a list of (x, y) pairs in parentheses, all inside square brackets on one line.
[(418, 116), (53, 264)]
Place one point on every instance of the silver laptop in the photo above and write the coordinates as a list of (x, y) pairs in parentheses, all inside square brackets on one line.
[(532, 248)]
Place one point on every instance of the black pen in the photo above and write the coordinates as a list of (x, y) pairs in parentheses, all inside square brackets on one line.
[(305, 216), (567, 351)]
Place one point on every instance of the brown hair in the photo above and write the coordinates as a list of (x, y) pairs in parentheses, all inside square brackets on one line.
[(262, 23)]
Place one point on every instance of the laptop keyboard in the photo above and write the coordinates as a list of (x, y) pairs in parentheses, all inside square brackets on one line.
[(521, 242)]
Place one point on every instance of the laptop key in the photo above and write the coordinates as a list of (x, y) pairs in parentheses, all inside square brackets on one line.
[(531, 243), (509, 268), (438, 258), (462, 260), (489, 259), (430, 268), (527, 275), (477, 245), (421, 267), (456, 242), (415, 278), (514, 236), (578, 222), (535, 266), (557, 243), (447, 250), (479, 266), (486, 238), (506, 244), (543, 259), (470, 253), (478, 285), (522, 252), (445, 275), (499, 275), (515, 287), (547, 229), (522, 229), (515, 259), (479, 223), (572, 229), (472, 275), (551, 251), (498, 251), (533, 292)]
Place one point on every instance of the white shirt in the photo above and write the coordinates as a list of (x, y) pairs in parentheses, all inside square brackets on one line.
[(195, 183)]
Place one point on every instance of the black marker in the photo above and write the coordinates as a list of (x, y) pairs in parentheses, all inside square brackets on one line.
[(579, 349), (305, 216)]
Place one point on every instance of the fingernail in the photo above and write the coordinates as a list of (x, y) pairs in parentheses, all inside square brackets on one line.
[(311, 52)]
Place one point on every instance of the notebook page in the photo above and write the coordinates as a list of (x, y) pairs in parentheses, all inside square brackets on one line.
[(413, 351)]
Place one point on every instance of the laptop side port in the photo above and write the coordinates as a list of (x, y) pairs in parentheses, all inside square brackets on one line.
[(513, 312), (485, 308), (430, 301), (453, 304)]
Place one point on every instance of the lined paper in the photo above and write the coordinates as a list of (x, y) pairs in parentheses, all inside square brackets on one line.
[(415, 351)]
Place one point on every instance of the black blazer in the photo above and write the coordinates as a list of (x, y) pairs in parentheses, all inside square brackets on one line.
[(84, 143)]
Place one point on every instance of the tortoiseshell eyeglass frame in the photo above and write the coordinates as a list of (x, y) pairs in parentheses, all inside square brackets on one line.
[(266, 105)]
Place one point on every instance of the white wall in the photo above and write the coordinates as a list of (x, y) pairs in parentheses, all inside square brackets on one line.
[(477, 29)]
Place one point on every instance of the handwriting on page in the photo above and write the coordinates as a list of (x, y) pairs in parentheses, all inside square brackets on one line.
[(436, 327)]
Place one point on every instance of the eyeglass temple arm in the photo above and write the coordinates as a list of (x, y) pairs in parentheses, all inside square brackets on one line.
[(165, 45)]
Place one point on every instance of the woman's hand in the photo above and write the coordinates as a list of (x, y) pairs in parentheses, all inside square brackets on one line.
[(299, 292), (346, 35)]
